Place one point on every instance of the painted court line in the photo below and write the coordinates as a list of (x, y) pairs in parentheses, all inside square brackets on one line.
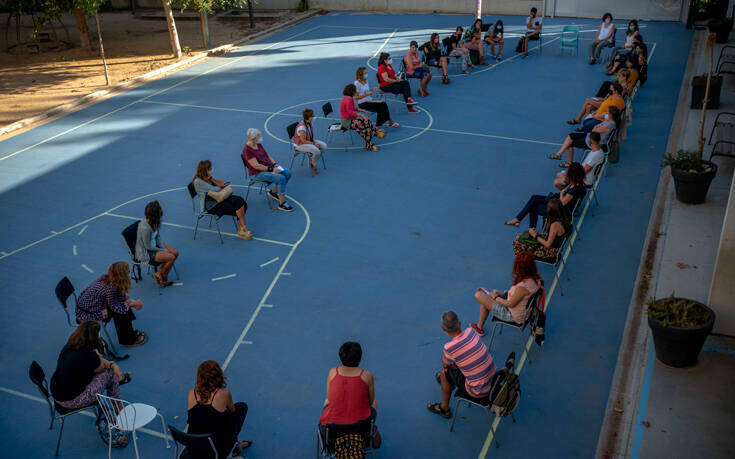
[(267, 305), (85, 413), (269, 262), (229, 276), (74, 249), (178, 284), (82, 230), (383, 45), (87, 268)]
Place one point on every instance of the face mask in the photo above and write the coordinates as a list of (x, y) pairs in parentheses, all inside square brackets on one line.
[(500, 27), (631, 28), (607, 117), (389, 61), (607, 21)]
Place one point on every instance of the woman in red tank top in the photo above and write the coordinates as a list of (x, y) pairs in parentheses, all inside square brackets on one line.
[(350, 390)]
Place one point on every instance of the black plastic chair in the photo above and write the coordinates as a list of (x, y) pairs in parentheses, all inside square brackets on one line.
[(327, 438), (530, 314), (251, 181), (198, 443), (291, 132), (203, 213), (130, 235), (335, 127), (56, 411)]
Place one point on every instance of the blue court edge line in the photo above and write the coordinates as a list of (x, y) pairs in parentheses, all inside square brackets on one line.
[(719, 349), (635, 452)]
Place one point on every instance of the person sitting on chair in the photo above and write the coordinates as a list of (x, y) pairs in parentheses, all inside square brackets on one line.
[(493, 37), (455, 49), (582, 140), (366, 102), (107, 297), (212, 412), (148, 246), (389, 83), (263, 167), (533, 31), (433, 56), (625, 50), (472, 40), (211, 199), (546, 245), (305, 141), (509, 306), (351, 118), (590, 115), (81, 373), (415, 69), (604, 36), (592, 160), (467, 365), (569, 196), (350, 390)]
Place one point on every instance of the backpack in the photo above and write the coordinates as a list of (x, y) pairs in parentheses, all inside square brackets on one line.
[(507, 393)]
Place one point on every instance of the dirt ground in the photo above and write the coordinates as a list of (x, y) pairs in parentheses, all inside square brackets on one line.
[(31, 83)]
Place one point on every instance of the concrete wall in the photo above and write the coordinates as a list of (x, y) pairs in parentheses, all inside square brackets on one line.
[(658, 10), (722, 291)]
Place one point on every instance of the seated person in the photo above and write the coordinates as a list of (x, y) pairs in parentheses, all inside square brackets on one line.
[(472, 40), (467, 365), (593, 158), (546, 245), (107, 297), (415, 69), (569, 196), (604, 36), (639, 52), (305, 142), (589, 116), (350, 390), (534, 25), (212, 198), (81, 373), (493, 37), (509, 306), (148, 246), (351, 118), (211, 411), (262, 166), (433, 55), (627, 46), (455, 49), (634, 71), (389, 83), (366, 102), (582, 140)]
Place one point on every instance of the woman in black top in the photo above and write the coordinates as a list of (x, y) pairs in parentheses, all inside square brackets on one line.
[(433, 55), (548, 243), (211, 411), (569, 196), (81, 373)]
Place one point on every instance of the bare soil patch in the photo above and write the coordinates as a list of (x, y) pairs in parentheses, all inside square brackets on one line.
[(31, 83)]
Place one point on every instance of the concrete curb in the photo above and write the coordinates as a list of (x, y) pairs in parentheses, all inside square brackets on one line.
[(97, 96), (618, 427)]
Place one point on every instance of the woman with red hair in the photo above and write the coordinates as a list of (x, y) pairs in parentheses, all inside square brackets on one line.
[(511, 305)]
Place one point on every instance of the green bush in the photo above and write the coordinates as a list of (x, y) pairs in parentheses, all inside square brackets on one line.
[(677, 312), (683, 159)]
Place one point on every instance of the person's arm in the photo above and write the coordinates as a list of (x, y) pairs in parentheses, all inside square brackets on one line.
[(565, 197), (514, 299), (549, 241), (587, 168), (203, 187), (228, 401), (107, 365), (332, 373), (448, 363), (408, 63), (529, 23), (145, 237), (371, 386), (304, 137), (253, 162), (539, 26), (112, 298), (600, 128), (610, 34), (219, 183), (597, 34)]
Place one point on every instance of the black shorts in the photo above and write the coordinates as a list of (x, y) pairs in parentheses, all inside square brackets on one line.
[(579, 139), (227, 207), (457, 379)]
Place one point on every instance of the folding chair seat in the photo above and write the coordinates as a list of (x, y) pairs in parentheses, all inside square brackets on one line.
[(202, 213), (128, 417), (130, 235), (530, 314), (192, 443), (335, 127), (331, 432), (56, 411), (291, 131)]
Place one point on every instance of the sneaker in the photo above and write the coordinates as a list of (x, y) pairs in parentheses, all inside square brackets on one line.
[(412, 110), (285, 207), (410, 101), (273, 195), (477, 329)]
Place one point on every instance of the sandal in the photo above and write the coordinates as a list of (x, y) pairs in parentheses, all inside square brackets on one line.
[(127, 377), (159, 281), (140, 340), (241, 446), (436, 408), (395, 125), (554, 156), (572, 122), (564, 165), (517, 224)]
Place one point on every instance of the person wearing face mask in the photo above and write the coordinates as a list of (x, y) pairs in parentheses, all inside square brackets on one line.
[(582, 140), (533, 31), (453, 43), (261, 166), (433, 55), (595, 103), (415, 69), (495, 36), (627, 48), (603, 38), (389, 83), (366, 102)]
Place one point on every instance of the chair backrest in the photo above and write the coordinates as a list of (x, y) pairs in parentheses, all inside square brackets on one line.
[(130, 234), (192, 190), (334, 431), (192, 442), (570, 29), (119, 414), (38, 377), (327, 109), (64, 289), (291, 130)]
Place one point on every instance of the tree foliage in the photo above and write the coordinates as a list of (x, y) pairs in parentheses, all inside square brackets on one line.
[(209, 6)]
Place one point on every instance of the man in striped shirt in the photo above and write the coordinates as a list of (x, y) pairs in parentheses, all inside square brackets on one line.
[(468, 365)]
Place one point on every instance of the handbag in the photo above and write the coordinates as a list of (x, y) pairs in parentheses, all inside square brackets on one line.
[(222, 194)]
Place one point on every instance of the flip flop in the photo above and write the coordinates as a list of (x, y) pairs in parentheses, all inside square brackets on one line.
[(395, 125), (436, 408), (141, 339), (564, 165), (508, 223), (127, 377), (241, 446), (572, 122), (554, 156)]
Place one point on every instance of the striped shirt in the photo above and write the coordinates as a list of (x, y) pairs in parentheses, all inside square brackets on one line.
[(473, 360)]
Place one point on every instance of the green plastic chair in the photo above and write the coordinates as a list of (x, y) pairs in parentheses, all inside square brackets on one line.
[(569, 39)]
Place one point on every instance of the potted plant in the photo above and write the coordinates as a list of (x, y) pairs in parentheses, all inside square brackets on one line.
[(721, 26), (693, 176), (679, 327)]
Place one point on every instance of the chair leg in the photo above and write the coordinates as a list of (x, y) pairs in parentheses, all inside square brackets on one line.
[(492, 335), (324, 163), (558, 282), (135, 444), (163, 430), (292, 159), (513, 418), (216, 224), (495, 437), (109, 442), (525, 346), (196, 226), (454, 416), (247, 193), (109, 340), (58, 440)]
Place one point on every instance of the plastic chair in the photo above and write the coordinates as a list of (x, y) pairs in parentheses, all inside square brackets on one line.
[(191, 442), (130, 236), (531, 307), (38, 377), (605, 55), (291, 132), (591, 189), (128, 417), (569, 39), (202, 213), (325, 443), (335, 127)]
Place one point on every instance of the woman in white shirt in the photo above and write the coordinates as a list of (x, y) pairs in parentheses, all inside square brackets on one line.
[(365, 101), (603, 38)]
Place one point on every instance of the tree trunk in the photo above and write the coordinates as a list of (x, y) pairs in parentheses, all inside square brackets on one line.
[(83, 29), (102, 49), (205, 29), (175, 46), (478, 14), (250, 13)]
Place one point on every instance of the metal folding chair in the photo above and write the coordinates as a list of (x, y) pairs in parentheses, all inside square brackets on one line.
[(128, 417), (291, 131), (130, 236), (190, 442), (262, 184), (530, 313), (335, 127), (325, 443), (558, 260), (202, 213)]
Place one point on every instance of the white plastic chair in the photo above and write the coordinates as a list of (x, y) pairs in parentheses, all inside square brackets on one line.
[(128, 417)]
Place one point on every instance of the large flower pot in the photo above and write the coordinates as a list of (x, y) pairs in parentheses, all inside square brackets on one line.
[(679, 347), (699, 88), (691, 187)]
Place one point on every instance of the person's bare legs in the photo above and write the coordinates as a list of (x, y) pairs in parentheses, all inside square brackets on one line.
[(500, 47), (525, 46), (425, 81), (167, 259), (486, 305), (444, 63), (567, 143), (447, 389), (241, 219)]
